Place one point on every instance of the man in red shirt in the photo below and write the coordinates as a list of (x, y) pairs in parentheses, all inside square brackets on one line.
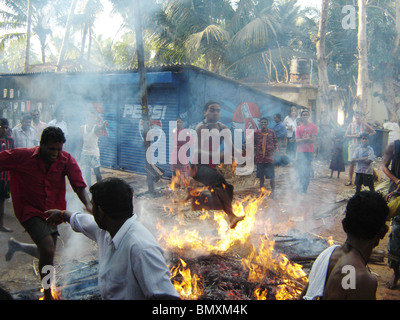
[(305, 138), (37, 184)]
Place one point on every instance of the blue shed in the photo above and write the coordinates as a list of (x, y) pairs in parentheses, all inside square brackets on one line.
[(173, 91)]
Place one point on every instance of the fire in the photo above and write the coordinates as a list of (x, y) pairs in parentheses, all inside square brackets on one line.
[(261, 263), (55, 292), (227, 237), (264, 261), (260, 294), (190, 288), (179, 180)]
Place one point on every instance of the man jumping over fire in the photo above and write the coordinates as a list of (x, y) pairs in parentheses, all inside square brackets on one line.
[(208, 155), (37, 184)]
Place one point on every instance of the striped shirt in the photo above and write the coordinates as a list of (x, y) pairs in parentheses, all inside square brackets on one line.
[(6, 144)]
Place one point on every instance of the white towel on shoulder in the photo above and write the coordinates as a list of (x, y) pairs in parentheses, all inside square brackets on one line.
[(317, 276)]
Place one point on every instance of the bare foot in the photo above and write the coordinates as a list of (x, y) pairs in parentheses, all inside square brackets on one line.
[(5, 229), (12, 247), (234, 221), (393, 283)]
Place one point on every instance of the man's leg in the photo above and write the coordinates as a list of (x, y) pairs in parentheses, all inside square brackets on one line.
[(2, 227), (304, 170), (97, 173), (225, 195), (46, 248), (396, 275), (262, 181), (15, 246), (351, 174), (272, 183), (308, 170)]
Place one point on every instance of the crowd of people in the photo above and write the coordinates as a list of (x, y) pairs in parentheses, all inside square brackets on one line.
[(34, 166)]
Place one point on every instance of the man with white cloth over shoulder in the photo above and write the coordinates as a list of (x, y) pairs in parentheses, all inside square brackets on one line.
[(131, 263), (341, 272)]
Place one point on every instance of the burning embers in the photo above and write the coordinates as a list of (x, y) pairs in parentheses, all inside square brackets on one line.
[(212, 261)]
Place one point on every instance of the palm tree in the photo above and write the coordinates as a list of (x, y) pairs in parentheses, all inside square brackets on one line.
[(14, 20), (266, 36)]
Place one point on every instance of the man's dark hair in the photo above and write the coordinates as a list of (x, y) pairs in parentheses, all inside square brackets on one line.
[(364, 135), (366, 213), (209, 103), (264, 118), (114, 196), (4, 122), (278, 116), (52, 134), (304, 111), (26, 115)]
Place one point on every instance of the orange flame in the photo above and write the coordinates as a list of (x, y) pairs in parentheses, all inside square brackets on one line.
[(260, 294), (193, 240), (260, 263), (264, 261), (190, 288), (55, 292)]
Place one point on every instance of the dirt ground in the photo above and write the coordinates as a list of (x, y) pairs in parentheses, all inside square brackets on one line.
[(319, 212)]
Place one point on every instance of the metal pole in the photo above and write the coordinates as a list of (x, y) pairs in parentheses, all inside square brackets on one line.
[(143, 88)]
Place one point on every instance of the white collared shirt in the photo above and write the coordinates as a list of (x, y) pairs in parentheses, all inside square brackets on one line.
[(24, 139), (60, 124), (131, 265)]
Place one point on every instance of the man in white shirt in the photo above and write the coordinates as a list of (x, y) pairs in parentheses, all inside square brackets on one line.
[(88, 151), (37, 124), (24, 134), (131, 263), (59, 121)]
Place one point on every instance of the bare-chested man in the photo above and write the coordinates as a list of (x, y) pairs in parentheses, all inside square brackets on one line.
[(208, 155), (341, 272)]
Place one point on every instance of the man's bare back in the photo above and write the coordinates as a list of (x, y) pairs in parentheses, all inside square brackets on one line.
[(365, 283)]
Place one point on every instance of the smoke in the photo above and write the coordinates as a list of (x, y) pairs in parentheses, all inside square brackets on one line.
[(75, 246)]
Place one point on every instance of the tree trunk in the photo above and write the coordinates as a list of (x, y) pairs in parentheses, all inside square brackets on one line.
[(66, 36), (84, 35), (390, 83), (89, 50), (397, 22), (143, 88), (323, 98), (28, 36), (362, 80)]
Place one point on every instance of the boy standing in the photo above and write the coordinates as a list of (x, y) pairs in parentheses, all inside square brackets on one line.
[(265, 144), (305, 137), (363, 157)]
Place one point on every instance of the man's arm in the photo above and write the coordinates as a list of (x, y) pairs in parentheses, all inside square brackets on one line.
[(80, 222), (348, 135), (84, 197), (370, 130), (57, 217), (387, 159), (100, 127)]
